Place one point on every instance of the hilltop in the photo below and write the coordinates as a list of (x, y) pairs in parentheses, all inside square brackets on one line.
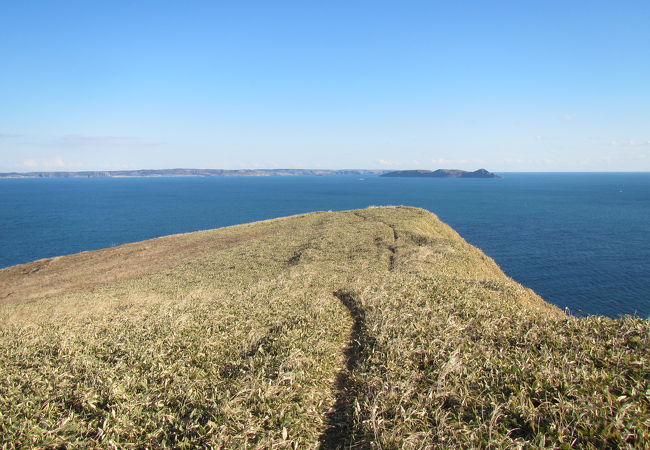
[(441, 173), (378, 328)]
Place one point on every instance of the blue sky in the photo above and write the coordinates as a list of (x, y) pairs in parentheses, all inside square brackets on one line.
[(509, 86)]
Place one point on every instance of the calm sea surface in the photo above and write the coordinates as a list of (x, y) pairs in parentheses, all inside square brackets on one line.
[(579, 240)]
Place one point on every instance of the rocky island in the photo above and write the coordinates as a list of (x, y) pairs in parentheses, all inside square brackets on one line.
[(441, 173)]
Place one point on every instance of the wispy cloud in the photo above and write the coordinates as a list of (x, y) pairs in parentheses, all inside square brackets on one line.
[(632, 149), (568, 117), (385, 162), (45, 164), (629, 143)]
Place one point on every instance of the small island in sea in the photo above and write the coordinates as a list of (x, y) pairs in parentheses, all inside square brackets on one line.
[(441, 173)]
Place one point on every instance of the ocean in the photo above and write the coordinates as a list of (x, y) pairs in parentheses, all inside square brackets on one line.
[(580, 240)]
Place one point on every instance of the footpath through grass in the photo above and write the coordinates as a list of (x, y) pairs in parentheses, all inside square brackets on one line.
[(368, 328)]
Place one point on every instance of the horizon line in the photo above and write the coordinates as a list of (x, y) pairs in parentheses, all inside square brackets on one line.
[(4, 174)]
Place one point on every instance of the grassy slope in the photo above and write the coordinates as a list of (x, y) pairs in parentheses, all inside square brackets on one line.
[(372, 327)]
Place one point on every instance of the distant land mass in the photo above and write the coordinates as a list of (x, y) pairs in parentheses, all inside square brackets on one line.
[(190, 173), (441, 173)]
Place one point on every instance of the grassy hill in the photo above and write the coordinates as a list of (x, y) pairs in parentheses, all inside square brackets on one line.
[(372, 328)]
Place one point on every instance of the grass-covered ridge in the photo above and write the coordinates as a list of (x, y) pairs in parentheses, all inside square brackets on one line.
[(377, 328)]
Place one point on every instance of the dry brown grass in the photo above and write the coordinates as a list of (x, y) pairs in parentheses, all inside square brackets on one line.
[(90, 269), (372, 328)]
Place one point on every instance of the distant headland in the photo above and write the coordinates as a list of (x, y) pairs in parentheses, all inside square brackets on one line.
[(441, 173)]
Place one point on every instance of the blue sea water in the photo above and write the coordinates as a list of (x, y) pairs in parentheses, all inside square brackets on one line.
[(579, 240)]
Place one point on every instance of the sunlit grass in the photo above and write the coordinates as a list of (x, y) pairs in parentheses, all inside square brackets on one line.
[(378, 326)]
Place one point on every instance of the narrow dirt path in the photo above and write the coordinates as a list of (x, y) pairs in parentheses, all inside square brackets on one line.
[(392, 248), (342, 430)]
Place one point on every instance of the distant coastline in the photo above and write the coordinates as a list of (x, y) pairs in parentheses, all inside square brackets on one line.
[(190, 173), (440, 173)]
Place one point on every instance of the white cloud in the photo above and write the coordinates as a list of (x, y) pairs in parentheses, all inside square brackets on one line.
[(629, 143), (568, 117), (385, 162), (46, 164)]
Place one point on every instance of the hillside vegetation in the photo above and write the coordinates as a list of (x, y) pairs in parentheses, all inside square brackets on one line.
[(375, 328)]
